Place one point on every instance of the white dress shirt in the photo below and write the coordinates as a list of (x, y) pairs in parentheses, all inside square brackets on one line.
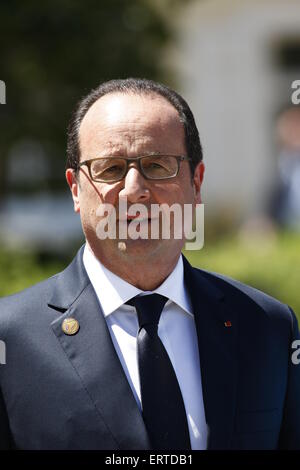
[(176, 330)]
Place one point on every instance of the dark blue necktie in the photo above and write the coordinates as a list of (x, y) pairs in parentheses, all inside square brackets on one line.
[(163, 407)]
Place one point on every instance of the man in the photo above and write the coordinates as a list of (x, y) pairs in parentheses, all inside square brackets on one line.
[(130, 347)]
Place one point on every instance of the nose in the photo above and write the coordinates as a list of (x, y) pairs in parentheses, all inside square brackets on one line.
[(135, 187)]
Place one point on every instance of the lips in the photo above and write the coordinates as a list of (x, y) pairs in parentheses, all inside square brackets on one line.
[(136, 219)]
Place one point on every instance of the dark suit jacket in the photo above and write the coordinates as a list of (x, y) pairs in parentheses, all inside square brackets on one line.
[(70, 392)]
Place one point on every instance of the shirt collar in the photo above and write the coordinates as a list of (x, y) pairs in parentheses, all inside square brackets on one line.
[(113, 291)]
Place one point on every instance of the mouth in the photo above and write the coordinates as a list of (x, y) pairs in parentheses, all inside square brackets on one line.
[(137, 218)]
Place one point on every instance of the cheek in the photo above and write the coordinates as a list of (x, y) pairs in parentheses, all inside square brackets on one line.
[(165, 192), (109, 193), (190, 195), (174, 193), (95, 194)]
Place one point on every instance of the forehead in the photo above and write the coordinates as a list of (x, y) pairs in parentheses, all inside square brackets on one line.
[(131, 119)]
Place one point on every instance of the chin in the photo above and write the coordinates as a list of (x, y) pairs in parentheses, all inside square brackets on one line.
[(148, 249), (140, 246)]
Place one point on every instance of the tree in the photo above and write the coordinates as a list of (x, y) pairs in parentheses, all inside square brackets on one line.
[(55, 51)]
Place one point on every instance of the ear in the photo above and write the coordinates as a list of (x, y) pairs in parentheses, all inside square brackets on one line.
[(197, 180), (74, 187)]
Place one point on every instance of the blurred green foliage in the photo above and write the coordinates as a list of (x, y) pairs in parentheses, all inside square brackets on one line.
[(54, 52), (19, 270), (271, 265)]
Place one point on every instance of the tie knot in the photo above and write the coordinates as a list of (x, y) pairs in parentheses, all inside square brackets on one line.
[(148, 307)]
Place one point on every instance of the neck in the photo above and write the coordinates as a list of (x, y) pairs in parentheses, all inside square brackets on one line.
[(146, 276)]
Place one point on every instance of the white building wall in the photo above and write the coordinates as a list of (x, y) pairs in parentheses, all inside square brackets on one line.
[(224, 62)]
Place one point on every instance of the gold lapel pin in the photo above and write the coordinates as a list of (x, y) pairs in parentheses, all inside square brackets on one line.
[(70, 326)]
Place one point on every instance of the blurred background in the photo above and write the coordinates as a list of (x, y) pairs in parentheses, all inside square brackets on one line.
[(234, 61)]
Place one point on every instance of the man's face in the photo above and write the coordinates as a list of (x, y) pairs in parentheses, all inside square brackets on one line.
[(130, 126)]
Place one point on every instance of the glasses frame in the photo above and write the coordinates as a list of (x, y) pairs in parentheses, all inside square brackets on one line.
[(137, 160)]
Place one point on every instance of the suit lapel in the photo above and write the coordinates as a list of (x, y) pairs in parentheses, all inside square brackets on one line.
[(218, 355), (94, 358)]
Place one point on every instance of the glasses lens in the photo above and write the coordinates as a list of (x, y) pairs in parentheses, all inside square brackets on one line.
[(159, 167), (108, 169)]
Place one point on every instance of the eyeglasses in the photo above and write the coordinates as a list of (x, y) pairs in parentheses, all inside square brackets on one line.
[(152, 167)]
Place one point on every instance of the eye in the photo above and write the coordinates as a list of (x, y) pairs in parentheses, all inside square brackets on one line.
[(112, 169), (104, 168), (155, 165)]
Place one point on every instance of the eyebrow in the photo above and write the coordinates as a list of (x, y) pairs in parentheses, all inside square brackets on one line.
[(117, 154)]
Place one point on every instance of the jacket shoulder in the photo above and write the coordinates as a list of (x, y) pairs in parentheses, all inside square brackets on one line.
[(25, 302), (248, 295)]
